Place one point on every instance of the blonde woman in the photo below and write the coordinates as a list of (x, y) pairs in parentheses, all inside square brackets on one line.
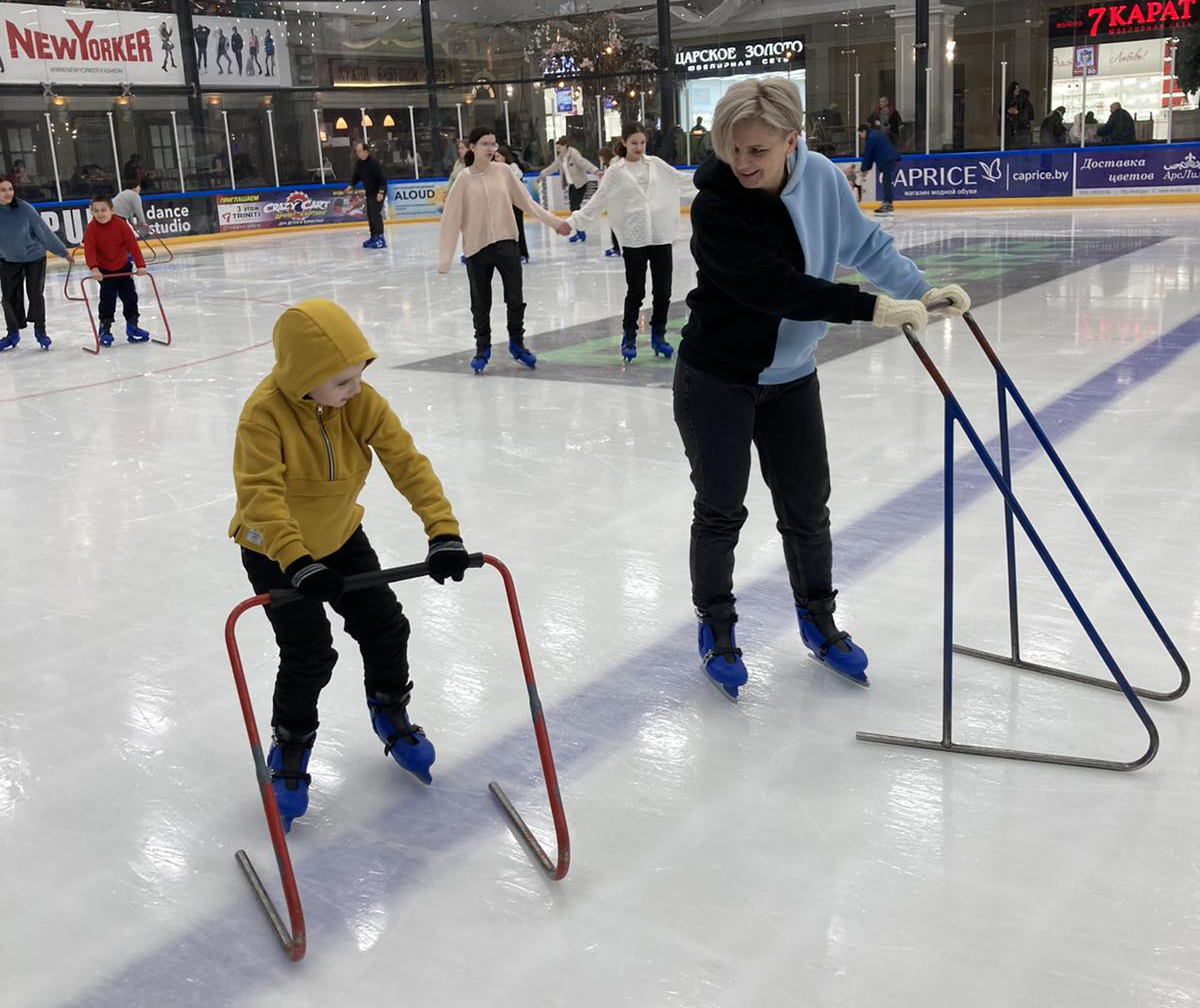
[(770, 223), (480, 206), (641, 194)]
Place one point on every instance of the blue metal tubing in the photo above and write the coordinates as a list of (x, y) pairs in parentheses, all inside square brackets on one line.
[(1005, 387)]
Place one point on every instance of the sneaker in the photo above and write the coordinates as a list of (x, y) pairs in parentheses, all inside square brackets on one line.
[(522, 354), (11, 340), (404, 741), (720, 657), (39, 334), (106, 336), (135, 335), (288, 763), (480, 360), (829, 645)]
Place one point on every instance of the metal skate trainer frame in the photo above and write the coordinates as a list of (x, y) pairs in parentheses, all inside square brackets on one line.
[(83, 296), (294, 941), (1002, 477)]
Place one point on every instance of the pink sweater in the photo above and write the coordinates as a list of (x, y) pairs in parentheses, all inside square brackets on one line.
[(480, 207)]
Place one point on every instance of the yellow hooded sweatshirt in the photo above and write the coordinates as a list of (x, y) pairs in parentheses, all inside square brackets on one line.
[(299, 467)]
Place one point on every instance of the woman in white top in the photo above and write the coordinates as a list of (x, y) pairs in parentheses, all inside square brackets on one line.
[(479, 205), (574, 167), (641, 194)]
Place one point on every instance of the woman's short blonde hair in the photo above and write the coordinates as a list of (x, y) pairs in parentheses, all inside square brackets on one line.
[(774, 101)]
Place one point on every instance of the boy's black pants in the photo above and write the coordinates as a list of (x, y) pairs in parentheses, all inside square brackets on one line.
[(113, 286), (372, 616)]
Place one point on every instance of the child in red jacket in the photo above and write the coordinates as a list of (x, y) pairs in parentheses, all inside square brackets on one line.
[(111, 250)]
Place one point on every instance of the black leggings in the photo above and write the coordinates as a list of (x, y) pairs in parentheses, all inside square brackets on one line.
[(373, 617), (503, 257), (21, 282), (660, 261)]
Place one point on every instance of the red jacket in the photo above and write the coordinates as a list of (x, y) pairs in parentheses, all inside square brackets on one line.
[(110, 246)]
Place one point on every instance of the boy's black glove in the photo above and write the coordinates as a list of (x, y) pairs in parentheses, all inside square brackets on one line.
[(314, 580), (447, 558)]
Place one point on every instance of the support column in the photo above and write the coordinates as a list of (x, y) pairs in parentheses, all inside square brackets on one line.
[(435, 118), (904, 17), (191, 71), (941, 101), (921, 81), (666, 83)]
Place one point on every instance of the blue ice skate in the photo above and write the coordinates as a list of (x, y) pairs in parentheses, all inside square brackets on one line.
[(380, 241), (288, 763), (659, 344), (135, 335), (11, 340), (369, 243), (578, 236), (480, 360), (720, 657), (39, 334), (520, 353), (610, 252), (829, 645), (404, 741), (106, 336), (629, 346)]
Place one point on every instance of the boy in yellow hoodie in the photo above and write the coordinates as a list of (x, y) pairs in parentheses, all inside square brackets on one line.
[(303, 450)]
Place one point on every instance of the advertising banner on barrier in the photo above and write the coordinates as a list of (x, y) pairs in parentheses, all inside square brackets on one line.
[(1015, 175), (166, 217), (260, 210), (1144, 170), (74, 45), (417, 199)]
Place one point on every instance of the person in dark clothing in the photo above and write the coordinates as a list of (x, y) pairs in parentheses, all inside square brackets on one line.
[(200, 33), (1054, 130), (1023, 131), (24, 240), (1012, 102), (223, 50), (236, 43), (1120, 128), (878, 150), (269, 49), (886, 118), (368, 173), (770, 224)]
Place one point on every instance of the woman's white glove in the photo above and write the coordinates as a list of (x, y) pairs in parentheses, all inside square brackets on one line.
[(960, 300), (890, 313)]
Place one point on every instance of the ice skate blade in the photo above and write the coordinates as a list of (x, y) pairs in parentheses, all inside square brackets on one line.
[(859, 679), (730, 693)]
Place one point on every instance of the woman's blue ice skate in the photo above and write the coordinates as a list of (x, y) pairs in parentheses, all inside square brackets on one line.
[(288, 763), (404, 741), (659, 344), (11, 340), (720, 657), (829, 645), (480, 360), (135, 335), (39, 334), (629, 346), (520, 353)]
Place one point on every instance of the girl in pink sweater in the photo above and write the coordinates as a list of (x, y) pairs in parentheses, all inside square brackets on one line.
[(479, 206)]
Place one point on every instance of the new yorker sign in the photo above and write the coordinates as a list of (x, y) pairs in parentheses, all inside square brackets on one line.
[(743, 56), (1106, 20)]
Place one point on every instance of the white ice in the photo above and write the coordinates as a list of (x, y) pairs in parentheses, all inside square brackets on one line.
[(748, 855)]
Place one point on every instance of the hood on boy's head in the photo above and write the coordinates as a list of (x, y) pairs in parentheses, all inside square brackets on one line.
[(314, 340)]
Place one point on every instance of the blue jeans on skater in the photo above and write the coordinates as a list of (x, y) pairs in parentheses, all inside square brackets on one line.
[(887, 179)]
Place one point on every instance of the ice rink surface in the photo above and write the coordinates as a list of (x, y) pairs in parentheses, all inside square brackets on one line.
[(723, 855)]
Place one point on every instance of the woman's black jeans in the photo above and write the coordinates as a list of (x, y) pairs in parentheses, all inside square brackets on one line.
[(718, 421)]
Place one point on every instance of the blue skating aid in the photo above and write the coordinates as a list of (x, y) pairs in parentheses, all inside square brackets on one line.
[(404, 741)]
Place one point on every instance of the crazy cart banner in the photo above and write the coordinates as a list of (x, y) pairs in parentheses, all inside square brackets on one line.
[(410, 200), (241, 52), (275, 208), (1013, 175), (69, 45), (1158, 171)]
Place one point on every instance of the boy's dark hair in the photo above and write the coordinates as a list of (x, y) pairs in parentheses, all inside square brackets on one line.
[(102, 199), (132, 182), (562, 142)]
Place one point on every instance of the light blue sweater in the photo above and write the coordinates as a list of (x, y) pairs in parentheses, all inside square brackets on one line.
[(24, 236), (832, 230)]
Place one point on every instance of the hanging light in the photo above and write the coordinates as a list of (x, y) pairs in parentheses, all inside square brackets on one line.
[(340, 124), (367, 119), (388, 120)]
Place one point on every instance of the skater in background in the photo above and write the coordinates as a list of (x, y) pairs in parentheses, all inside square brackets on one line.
[(460, 145), (24, 241), (111, 252), (200, 34), (368, 172), (641, 194), (313, 422), (478, 206), (127, 205), (770, 224), (506, 156), (223, 50), (880, 153), (574, 167)]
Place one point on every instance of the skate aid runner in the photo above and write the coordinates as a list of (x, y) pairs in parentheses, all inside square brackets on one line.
[(747, 370), (302, 453)]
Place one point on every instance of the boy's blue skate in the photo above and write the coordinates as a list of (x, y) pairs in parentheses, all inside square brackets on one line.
[(135, 335), (522, 354), (39, 334), (578, 236), (288, 763), (828, 644), (106, 336), (720, 657), (11, 340), (629, 346), (404, 741), (610, 252), (480, 360), (659, 344)]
